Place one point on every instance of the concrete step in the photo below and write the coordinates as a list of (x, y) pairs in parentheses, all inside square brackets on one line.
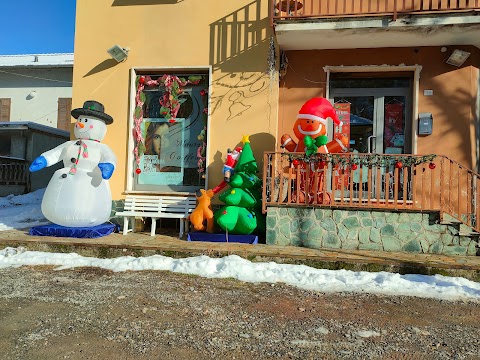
[(450, 223), (471, 234), (463, 230), (449, 220)]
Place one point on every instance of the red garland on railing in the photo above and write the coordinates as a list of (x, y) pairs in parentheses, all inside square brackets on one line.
[(355, 160)]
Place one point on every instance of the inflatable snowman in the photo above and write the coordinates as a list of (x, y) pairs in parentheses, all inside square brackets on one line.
[(78, 195)]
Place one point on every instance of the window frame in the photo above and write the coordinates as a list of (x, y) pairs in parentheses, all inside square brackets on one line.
[(64, 113), (134, 72), (5, 103)]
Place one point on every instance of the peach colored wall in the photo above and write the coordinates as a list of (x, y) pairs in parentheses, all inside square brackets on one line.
[(231, 37), (453, 104)]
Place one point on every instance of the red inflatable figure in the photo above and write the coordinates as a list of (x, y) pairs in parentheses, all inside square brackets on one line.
[(310, 129), (312, 121)]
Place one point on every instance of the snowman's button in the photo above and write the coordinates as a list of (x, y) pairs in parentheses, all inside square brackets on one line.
[(78, 142), (64, 176), (73, 160)]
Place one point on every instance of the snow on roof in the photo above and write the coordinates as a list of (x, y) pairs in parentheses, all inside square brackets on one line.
[(37, 60)]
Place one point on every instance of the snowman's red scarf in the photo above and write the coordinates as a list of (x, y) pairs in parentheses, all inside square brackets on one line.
[(82, 152)]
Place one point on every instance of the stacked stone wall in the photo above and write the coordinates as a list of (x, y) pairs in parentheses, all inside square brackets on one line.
[(365, 230)]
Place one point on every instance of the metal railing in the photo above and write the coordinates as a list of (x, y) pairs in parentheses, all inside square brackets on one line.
[(373, 181), (13, 171), (294, 9)]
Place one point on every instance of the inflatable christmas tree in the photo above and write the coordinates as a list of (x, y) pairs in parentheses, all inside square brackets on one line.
[(243, 211)]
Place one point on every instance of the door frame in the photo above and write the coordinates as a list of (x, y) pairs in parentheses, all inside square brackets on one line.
[(379, 112), (416, 69)]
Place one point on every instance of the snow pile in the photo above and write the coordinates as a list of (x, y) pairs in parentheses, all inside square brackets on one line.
[(21, 211), (233, 266)]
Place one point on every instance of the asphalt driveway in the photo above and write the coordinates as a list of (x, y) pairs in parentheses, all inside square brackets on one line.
[(96, 314)]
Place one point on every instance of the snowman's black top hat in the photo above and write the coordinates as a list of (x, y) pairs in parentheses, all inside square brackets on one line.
[(93, 108)]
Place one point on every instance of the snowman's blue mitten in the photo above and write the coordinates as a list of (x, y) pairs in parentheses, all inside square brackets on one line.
[(38, 164), (107, 170)]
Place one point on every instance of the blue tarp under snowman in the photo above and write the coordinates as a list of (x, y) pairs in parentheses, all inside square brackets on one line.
[(78, 195)]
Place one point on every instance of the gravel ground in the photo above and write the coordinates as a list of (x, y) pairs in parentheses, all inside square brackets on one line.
[(96, 314)]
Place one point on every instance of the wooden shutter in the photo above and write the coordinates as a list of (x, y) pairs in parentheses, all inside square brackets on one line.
[(63, 117), (5, 109)]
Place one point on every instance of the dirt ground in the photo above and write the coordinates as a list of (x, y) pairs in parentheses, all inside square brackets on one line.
[(96, 314)]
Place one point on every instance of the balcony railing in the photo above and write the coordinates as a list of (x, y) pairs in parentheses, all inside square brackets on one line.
[(13, 171), (373, 181), (295, 9)]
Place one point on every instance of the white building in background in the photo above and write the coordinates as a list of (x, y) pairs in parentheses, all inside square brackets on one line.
[(36, 88)]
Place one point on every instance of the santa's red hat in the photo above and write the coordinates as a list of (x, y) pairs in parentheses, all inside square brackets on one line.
[(319, 109)]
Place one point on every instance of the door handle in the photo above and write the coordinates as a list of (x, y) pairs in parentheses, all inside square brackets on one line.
[(369, 142)]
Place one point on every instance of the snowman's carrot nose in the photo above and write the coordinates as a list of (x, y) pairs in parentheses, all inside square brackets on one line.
[(80, 125)]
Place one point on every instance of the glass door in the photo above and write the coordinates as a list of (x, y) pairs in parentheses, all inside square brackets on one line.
[(380, 122)]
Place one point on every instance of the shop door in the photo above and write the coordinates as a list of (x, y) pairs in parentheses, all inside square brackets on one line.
[(380, 121)]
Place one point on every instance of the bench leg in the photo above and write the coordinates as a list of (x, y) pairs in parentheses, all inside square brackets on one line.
[(181, 228), (125, 225), (154, 226), (132, 222)]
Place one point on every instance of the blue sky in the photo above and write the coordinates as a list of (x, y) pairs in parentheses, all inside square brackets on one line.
[(37, 26)]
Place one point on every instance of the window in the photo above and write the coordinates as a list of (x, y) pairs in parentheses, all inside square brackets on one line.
[(63, 115), (5, 143), (5, 109), (174, 118)]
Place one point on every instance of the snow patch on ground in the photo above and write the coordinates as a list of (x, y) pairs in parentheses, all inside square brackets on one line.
[(22, 211)]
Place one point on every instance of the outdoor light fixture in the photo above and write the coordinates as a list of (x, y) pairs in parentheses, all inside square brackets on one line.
[(458, 57), (118, 53)]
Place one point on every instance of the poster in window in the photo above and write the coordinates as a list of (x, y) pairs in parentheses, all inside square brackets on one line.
[(162, 161), (393, 128), (342, 110), (192, 113)]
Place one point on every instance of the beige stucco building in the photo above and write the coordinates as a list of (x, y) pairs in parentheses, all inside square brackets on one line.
[(369, 60), (228, 45)]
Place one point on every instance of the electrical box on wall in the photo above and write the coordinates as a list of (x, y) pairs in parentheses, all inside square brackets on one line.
[(425, 124)]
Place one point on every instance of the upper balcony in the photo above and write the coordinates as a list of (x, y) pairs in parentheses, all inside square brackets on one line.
[(317, 24)]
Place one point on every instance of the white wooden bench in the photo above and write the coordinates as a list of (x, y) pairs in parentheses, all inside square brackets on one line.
[(157, 207)]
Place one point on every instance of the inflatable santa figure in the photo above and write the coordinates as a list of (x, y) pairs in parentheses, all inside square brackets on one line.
[(78, 195), (311, 127), (230, 162)]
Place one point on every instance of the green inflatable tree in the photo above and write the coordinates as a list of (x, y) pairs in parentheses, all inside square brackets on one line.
[(243, 211)]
